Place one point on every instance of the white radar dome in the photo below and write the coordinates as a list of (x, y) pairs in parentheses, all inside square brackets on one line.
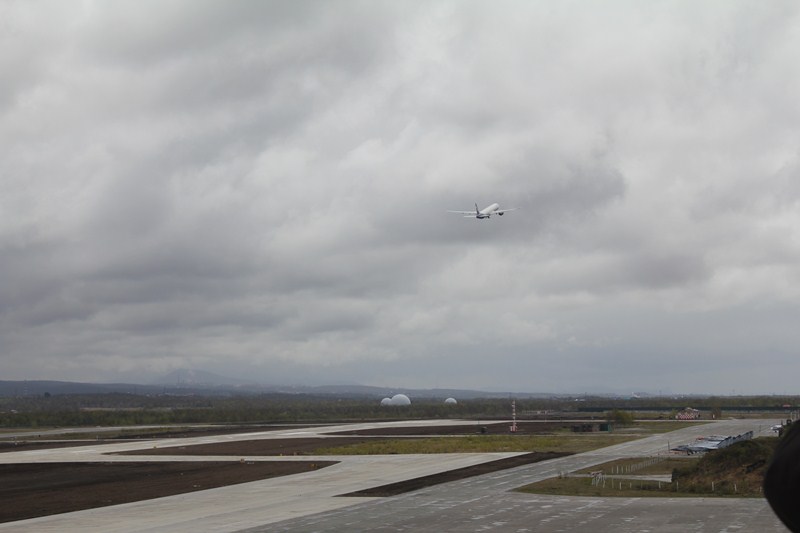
[(451, 401), (386, 401), (400, 399)]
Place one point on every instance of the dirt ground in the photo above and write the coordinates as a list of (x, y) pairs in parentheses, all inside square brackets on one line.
[(308, 446), (18, 446), (250, 448), (460, 473), (488, 428), (31, 490)]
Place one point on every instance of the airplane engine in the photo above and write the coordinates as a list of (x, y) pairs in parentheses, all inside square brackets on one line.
[(501, 214)]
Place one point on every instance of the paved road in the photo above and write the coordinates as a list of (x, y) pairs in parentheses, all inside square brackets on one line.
[(486, 503), (310, 502)]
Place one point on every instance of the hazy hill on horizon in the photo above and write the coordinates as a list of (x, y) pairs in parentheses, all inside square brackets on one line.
[(206, 383)]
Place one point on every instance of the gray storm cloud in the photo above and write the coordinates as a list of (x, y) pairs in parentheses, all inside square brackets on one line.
[(260, 189)]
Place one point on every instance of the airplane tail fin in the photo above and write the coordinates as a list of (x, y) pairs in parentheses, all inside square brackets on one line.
[(477, 211)]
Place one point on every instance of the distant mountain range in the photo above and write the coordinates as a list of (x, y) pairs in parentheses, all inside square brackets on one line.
[(190, 381), (193, 381)]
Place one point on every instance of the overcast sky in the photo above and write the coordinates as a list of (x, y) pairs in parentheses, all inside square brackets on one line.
[(260, 189)]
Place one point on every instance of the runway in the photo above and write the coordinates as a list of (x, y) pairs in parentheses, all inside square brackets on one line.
[(311, 501)]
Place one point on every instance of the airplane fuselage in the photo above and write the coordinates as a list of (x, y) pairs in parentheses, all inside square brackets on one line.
[(487, 212)]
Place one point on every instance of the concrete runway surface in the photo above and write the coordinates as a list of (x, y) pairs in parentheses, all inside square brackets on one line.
[(311, 502)]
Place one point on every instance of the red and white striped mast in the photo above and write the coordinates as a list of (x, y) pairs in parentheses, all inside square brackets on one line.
[(513, 416)]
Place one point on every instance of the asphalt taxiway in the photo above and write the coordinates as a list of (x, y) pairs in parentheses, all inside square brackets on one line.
[(312, 501)]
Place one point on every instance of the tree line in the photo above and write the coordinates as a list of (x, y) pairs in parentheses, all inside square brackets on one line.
[(116, 409)]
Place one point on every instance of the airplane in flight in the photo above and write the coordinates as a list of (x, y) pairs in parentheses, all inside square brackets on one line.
[(486, 212)]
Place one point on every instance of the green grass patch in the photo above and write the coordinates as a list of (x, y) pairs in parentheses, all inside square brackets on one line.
[(105, 434), (583, 486), (658, 426), (637, 488), (732, 470), (642, 466), (735, 471), (571, 443)]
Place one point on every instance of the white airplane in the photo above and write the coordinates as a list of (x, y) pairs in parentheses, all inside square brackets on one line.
[(486, 212)]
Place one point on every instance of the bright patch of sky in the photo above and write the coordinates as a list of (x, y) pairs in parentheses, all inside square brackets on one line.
[(259, 189)]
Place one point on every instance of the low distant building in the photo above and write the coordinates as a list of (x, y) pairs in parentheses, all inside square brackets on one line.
[(712, 442), (688, 414)]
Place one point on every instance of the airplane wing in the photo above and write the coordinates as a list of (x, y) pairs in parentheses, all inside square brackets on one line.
[(463, 212), (501, 211)]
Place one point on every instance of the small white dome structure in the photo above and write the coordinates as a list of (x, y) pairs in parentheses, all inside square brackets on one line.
[(450, 401), (400, 399), (397, 399)]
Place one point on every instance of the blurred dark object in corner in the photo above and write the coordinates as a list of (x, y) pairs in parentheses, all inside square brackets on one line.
[(782, 480)]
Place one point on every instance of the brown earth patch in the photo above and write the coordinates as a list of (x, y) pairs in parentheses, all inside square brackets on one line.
[(43, 443), (401, 487), (18, 446), (250, 448), (209, 431), (309, 445), (31, 490), (487, 428)]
